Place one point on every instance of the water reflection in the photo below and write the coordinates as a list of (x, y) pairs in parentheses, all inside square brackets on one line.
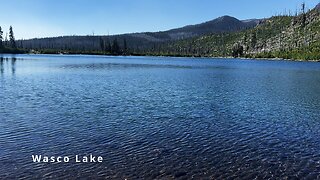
[(8, 64), (1, 65), (13, 65)]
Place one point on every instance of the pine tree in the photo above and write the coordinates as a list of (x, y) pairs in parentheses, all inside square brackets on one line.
[(108, 46), (102, 44), (11, 37), (1, 38), (125, 47), (6, 40), (253, 40), (115, 47), (304, 16)]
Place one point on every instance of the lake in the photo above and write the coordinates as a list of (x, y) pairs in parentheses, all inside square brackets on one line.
[(159, 118)]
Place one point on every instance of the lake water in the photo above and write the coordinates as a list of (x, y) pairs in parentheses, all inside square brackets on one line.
[(159, 118)]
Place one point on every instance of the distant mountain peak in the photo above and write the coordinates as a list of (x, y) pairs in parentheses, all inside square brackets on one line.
[(221, 24), (225, 17)]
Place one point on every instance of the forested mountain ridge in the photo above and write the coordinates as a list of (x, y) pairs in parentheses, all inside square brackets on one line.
[(285, 36), (220, 25), (138, 42)]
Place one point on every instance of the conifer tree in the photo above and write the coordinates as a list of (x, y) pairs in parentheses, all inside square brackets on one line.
[(6, 40), (125, 47), (253, 40), (304, 17), (102, 44), (1, 38), (12, 39), (108, 46), (115, 47)]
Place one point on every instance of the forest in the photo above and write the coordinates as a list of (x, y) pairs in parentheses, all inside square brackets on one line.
[(286, 36), (8, 45)]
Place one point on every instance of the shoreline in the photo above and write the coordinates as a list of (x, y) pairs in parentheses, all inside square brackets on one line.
[(139, 55)]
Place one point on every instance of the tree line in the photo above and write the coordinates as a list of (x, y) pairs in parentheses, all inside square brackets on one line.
[(102, 45), (7, 45), (113, 48)]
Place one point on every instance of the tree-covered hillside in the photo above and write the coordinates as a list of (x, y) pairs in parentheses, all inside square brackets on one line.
[(137, 43), (285, 36)]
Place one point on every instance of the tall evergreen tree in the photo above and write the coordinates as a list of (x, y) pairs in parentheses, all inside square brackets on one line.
[(108, 46), (12, 39), (1, 38), (237, 50), (125, 46), (102, 44), (304, 16), (253, 39), (6, 39), (115, 47)]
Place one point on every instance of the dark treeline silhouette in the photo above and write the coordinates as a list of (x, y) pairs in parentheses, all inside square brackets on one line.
[(1, 38), (108, 45), (8, 46), (107, 48)]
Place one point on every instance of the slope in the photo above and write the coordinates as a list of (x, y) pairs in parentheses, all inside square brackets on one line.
[(289, 37)]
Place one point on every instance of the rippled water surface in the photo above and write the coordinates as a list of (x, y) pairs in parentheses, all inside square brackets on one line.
[(159, 118)]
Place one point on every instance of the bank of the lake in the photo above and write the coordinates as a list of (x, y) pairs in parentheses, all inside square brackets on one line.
[(152, 55)]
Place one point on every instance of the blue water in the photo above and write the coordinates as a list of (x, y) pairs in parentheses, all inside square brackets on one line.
[(159, 118)]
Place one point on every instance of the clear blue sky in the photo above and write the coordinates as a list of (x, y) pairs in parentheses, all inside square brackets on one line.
[(44, 18)]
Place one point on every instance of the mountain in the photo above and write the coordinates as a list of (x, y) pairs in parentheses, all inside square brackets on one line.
[(219, 25), (140, 41), (289, 37)]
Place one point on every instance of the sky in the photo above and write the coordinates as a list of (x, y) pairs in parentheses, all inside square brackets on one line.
[(49, 18)]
